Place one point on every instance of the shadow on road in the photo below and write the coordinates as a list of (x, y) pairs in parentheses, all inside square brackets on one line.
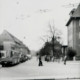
[(12, 65), (56, 79)]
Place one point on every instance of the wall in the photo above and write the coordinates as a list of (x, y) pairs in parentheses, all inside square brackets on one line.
[(70, 35), (77, 37), (74, 35), (7, 46)]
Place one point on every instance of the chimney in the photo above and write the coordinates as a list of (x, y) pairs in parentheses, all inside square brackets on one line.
[(72, 12)]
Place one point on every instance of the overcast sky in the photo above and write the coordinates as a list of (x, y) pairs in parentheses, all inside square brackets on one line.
[(28, 19)]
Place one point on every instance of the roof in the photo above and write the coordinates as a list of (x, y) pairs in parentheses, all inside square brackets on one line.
[(75, 14), (6, 36)]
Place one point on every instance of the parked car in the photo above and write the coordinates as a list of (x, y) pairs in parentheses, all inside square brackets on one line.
[(29, 56)]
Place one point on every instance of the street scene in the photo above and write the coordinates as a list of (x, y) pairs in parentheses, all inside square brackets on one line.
[(39, 40), (31, 70)]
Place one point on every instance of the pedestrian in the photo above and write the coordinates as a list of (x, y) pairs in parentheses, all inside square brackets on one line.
[(65, 58), (40, 61)]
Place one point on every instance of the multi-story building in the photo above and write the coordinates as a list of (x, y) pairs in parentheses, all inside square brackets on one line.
[(73, 26)]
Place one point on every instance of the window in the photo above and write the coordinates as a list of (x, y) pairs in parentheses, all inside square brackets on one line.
[(1, 47), (79, 35), (11, 54), (79, 23), (2, 55)]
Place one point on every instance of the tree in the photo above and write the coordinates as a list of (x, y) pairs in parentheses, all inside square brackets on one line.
[(55, 36), (45, 50), (52, 46)]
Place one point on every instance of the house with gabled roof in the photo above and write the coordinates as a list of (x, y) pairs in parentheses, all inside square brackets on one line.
[(10, 42), (73, 26)]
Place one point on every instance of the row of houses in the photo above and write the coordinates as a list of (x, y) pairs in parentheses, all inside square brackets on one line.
[(11, 42), (12, 50)]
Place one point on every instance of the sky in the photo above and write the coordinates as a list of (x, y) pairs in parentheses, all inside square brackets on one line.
[(28, 19)]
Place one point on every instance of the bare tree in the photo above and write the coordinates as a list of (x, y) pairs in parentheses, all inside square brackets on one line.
[(51, 40), (52, 34), (55, 34)]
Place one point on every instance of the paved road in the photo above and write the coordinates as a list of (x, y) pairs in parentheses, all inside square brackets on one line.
[(30, 69)]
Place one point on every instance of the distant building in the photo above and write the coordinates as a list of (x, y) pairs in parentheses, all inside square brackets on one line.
[(74, 30)]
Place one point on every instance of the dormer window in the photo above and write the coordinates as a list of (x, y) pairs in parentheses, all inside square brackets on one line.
[(72, 12)]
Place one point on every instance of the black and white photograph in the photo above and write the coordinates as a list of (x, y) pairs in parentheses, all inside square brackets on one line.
[(39, 39)]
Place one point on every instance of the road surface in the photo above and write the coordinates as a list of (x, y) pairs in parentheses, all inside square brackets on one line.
[(30, 70)]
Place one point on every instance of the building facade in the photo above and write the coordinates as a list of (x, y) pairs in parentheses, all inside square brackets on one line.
[(9, 42), (73, 26)]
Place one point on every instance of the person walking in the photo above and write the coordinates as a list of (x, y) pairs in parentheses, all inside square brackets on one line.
[(65, 58), (40, 61)]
